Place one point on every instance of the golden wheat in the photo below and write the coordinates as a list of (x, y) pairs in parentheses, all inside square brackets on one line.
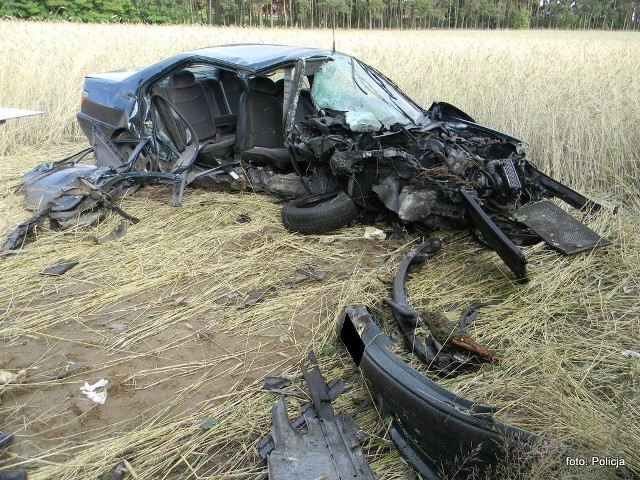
[(156, 311)]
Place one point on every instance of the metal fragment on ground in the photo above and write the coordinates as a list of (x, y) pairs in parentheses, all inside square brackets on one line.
[(557, 228), (59, 268), (275, 383), (327, 450), (256, 295), (266, 445), (242, 218), (310, 272), (116, 233), (449, 347), (6, 439)]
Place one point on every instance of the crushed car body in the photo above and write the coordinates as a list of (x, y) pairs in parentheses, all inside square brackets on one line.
[(329, 134)]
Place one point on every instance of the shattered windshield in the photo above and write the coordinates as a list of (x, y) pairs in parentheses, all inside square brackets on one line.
[(347, 85)]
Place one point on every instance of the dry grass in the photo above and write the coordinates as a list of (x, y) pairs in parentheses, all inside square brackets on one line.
[(188, 353)]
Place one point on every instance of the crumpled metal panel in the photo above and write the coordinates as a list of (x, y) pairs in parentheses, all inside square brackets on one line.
[(557, 228), (328, 449)]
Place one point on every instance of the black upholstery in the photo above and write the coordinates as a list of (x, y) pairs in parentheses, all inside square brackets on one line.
[(233, 88), (215, 97), (190, 100), (259, 135), (305, 107), (262, 85), (199, 108), (280, 90), (183, 79)]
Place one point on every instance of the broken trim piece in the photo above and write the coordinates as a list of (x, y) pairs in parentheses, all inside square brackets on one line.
[(405, 316), (433, 428), (266, 444), (495, 238)]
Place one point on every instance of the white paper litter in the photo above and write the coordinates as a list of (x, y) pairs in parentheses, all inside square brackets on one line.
[(96, 392), (630, 354), (372, 233)]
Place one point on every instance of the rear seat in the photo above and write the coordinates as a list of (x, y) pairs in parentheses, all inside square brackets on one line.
[(200, 108), (225, 118)]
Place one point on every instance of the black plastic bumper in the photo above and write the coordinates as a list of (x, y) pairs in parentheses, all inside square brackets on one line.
[(436, 430)]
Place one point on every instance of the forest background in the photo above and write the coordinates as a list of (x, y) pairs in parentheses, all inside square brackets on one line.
[(369, 14)]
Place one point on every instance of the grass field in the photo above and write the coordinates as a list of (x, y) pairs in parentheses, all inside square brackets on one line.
[(155, 312)]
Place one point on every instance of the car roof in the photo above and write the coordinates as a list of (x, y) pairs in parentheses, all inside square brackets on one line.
[(258, 56)]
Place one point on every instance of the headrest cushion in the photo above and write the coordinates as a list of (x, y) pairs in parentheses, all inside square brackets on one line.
[(262, 85), (182, 79)]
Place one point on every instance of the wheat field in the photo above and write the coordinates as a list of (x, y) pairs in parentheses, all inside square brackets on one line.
[(156, 312)]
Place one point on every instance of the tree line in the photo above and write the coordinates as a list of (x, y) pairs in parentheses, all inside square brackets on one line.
[(371, 14)]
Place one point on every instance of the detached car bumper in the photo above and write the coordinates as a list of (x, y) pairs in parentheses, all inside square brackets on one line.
[(436, 430)]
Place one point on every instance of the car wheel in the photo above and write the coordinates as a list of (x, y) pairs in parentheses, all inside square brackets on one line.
[(319, 213)]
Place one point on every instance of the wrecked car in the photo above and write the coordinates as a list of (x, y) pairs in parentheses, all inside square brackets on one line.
[(326, 133)]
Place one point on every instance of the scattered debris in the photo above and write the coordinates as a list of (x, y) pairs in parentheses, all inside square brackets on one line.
[(229, 298), (431, 426), (266, 445), (449, 347), (557, 228), (310, 272), (256, 295), (6, 439), (630, 354), (328, 449), (118, 232), (372, 233), (208, 423), (17, 475), (307, 272), (122, 468), (97, 392), (59, 268), (242, 218), (68, 370), (275, 383), (118, 471)]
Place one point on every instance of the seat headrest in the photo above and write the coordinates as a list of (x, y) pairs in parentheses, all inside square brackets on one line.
[(262, 85), (182, 79)]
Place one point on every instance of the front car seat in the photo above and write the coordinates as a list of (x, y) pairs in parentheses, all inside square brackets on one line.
[(259, 135)]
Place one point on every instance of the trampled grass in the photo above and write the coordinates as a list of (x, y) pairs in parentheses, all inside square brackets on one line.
[(156, 312)]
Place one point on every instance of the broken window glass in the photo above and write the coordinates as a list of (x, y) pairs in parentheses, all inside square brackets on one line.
[(369, 100)]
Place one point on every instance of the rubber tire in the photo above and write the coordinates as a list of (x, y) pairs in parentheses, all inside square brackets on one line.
[(319, 213)]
